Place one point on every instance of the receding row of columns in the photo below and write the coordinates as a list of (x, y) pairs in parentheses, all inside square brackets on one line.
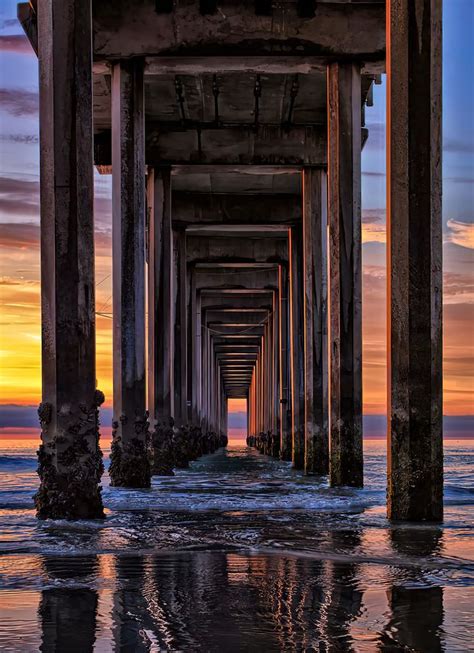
[(307, 377)]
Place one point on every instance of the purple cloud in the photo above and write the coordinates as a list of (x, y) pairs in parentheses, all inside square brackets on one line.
[(19, 102), (17, 43)]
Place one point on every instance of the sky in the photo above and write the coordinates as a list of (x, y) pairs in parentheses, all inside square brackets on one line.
[(20, 338)]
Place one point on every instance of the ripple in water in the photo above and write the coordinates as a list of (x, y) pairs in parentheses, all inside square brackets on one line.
[(239, 553)]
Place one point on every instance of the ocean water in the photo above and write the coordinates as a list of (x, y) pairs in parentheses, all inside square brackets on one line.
[(238, 553)]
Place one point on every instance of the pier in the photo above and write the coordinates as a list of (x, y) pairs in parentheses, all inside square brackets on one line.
[(233, 132)]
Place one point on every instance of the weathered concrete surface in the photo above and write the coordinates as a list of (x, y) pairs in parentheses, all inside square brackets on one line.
[(180, 330), (237, 146), (126, 29), (228, 250), (270, 145), (161, 308), (284, 367), (192, 208), (345, 270), (316, 421), (414, 249), (70, 460), (295, 247), (130, 465)]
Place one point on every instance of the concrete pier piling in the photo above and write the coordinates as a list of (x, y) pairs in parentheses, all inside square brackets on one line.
[(345, 271), (414, 251), (70, 460), (236, 238), (130, 464)]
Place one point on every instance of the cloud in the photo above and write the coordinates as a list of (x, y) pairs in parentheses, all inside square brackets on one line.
[(19, 102), (373, 226), (19, 236), (10, 281), (458, 287), (459, 180), (373, 173), (17, 43), (27, 139), (460, 233), (19, 197), (9, 22), (458, 147), (26, 416)]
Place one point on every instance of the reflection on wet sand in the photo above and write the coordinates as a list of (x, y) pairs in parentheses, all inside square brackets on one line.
[(69, 615), (234, 601), (416, 612)]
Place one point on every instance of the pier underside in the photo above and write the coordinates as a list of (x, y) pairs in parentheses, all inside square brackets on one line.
[(233, 133)]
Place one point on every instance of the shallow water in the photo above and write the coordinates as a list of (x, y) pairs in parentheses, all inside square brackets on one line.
[(238, 553)]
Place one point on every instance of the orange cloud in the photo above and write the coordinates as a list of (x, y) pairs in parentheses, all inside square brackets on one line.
[(461, 233), (373, 226)]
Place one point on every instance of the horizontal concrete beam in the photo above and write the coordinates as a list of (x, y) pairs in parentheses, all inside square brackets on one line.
[(230, 250), (239, 145), (236, 230), (190, 208), (216, 314), (240, 358), (232, 320), (237, 330), (241, 361), (227, 301), (230, 146), (239, 337), (269, 65), (126, 28)]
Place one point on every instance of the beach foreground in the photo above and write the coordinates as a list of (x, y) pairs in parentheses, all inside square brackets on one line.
[(238, 553)]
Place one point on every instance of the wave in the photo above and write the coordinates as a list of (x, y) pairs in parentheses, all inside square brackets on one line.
[(12, 463)]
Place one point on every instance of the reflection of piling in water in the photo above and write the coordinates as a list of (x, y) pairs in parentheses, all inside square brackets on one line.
[(220, 200), (416, 620), (130, 617), (69, 615), (416, 612), (343, 598)]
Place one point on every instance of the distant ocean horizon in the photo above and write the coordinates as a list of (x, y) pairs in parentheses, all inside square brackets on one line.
[(21, 421), (235, 434)]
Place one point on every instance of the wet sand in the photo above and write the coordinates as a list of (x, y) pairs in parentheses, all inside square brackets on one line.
[(239, 553)]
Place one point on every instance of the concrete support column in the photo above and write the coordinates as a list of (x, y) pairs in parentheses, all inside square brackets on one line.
[(205, 377), (70, 461), (297, 347), (276, 345), (315, 321), (284, 365), (180, 331), (344, 214), (266, 379), (414, 266), (195, 353), (130, 466), (161, 310)]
